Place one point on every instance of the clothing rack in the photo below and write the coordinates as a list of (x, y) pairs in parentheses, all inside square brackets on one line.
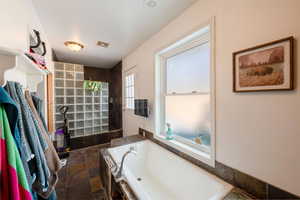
[(19, 179), (16, 66)]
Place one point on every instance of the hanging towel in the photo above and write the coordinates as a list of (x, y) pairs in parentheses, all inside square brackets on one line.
[(55, 164), (38, 166), (36, 142), (39, 105), (14, 185), (52, 158), (24, 145), (14, 115)]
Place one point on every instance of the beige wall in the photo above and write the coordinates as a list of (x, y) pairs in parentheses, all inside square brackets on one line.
[(17, 17), (257, 133)]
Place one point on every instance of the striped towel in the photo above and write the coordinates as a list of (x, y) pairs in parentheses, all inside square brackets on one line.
[(13, 182)]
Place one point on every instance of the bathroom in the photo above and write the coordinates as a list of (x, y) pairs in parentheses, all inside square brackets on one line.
[(150, 100)]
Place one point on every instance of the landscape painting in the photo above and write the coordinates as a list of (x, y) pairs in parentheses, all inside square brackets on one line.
[(266, 67)]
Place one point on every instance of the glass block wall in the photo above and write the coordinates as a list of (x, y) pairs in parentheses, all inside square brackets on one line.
[(88, 111)]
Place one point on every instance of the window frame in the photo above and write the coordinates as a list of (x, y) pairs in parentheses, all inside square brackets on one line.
[(131, 86), (203, 34)]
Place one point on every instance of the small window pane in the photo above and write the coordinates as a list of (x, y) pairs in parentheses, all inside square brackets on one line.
[(96, 115), (89, 115), (132, 91), (59, 92), (79, 84), (70, 84), (59, 100), (97, 100), (132, 80), (69, 75), (59, 66), (126, 81), (189, 71), (129, 91), (79, 68), (70, 92), (129, 103), (79, 92), (88, 100), (59, 74), (71, 116), (132, 103), (79, 116), (129, 80), (79, 100), (70, 100), (69, 67), (189, 117), (59, 83), (79, 108), (105, 93)]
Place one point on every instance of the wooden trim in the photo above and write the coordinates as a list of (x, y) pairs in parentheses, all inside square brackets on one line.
[(290, 40), (50, 102)]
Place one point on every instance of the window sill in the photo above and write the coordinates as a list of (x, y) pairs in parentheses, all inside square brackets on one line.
[(195, 153)]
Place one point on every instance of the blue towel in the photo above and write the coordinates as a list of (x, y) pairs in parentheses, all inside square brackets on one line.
[(26, 150), (34, 138), (38, 103), (13, 113)]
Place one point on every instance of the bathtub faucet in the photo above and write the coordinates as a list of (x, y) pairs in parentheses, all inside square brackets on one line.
[(119, 173)]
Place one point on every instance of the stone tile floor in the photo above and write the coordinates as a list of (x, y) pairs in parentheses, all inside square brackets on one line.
[(80, 178)]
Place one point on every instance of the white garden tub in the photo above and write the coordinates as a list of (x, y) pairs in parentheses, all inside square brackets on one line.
[(157, 174)]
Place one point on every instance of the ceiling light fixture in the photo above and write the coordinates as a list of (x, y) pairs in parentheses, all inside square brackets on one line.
[(102, 44), (74, 46), (150, 3)]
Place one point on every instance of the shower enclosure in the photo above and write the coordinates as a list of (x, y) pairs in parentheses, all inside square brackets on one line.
[(88, 112)]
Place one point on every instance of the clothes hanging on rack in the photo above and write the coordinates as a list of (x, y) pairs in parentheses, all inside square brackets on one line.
[(13, 181), (51, 155), (39, 169), (10, 88), (43, 166), (19, 134)]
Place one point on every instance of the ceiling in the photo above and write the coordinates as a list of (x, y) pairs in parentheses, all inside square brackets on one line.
[(125, 24)]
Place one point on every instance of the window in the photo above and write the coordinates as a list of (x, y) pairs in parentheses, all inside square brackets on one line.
[(129, 91), (187, 102), (185, 95)]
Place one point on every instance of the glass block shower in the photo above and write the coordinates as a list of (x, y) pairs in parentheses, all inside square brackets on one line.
[(88, 111)]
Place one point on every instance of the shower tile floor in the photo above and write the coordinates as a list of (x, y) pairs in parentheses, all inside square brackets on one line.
[(80, 178)]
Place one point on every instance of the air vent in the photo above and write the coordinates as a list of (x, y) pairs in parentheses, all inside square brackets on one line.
[(150, 3), (102, 44)]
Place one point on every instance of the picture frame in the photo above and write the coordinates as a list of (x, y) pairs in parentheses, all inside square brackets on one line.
[(265, 67)]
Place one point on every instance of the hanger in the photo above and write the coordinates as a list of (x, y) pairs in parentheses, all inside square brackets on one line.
[(4, 84)]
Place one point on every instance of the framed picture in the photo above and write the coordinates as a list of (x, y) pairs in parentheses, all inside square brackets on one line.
[(265, 67)]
